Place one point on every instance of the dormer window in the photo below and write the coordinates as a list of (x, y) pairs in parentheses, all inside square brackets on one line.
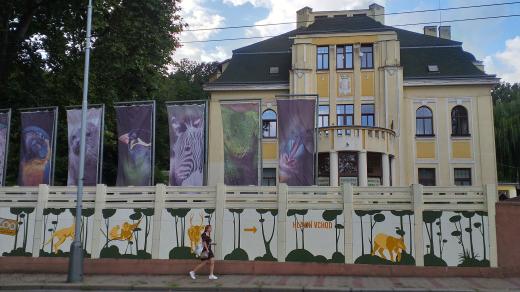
[(274, 70), (433, 68)]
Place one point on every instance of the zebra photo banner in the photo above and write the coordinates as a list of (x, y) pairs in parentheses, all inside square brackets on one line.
[(135, 132), (93, 145), (37, 146), (187, 143), (5, 119), (241, 127), (296, 143)]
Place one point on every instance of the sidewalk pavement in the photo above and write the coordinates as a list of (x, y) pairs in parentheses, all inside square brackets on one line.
[(254, 283)]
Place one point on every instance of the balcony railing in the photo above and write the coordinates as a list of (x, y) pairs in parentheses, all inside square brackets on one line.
[(356, 138)]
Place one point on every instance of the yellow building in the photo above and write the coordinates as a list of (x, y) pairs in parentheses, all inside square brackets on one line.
[(395, 107)]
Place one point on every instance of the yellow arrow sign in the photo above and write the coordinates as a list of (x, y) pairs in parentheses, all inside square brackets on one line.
[(252, 229)]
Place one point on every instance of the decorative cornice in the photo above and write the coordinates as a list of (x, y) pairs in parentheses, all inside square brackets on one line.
[(451, 81), (246, 86)]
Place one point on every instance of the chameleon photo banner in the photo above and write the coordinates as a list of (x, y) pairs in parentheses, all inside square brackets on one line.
[(37, 146), (241, 129), (296, 142), (135, 143), (187, 143), (93, 145), (5, 119)]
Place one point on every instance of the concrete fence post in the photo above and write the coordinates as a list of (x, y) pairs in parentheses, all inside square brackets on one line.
[(160, 192), (220, 206), (348, 216), (491, 199), (43, 195), (97, 224), (418, 207), (281, 247)]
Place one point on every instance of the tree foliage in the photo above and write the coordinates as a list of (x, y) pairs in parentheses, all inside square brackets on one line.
[(506, 100), (42, 62)]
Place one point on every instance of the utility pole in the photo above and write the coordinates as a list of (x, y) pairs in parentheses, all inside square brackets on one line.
[(76, 249)]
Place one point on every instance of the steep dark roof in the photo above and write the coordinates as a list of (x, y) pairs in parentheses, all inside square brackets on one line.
[(451, 61), (254, 68), (343, 24), (250, 64)]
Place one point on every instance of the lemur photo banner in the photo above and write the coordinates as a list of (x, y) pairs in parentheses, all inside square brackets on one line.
[(241, 127), (93, 145), (296, 142), (135, 143), (5, 119), (187, 143), (37, 146)]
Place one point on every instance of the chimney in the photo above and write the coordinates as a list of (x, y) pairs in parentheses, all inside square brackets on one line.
[(304, 17), (430, 30), (479, 65), (377, 12), (445, 32)]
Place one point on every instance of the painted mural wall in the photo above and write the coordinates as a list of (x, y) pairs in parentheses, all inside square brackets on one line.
[(379, 237)]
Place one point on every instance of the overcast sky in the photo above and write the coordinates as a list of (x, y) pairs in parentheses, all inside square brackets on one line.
[(494, 41)]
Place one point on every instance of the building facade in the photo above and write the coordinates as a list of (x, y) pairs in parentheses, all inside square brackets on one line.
[(395, 107)]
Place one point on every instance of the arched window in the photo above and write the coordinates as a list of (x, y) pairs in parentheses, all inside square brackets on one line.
[(424, 121), (459, 121), (269, 124)]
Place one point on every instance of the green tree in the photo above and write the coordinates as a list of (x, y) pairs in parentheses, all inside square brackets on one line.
[(42, 55), (506, 100)]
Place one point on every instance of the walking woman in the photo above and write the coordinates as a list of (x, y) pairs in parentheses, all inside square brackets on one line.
[(206, 255)]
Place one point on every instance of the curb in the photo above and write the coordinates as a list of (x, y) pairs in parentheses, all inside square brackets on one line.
[(87, 287)]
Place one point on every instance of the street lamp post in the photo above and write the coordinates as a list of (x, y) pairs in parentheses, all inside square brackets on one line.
[(76, 250)]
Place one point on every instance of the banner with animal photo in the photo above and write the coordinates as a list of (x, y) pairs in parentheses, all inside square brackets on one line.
[(37, 146), (187, 143), (93, 145), (5, 118), (296, 143), (135, 125), (241, 127)]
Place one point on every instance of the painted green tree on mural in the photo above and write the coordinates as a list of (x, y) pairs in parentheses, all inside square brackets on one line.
[(23, 219), (237, 253), (180, 251), (332, 215), (467, 257), (268, 256)]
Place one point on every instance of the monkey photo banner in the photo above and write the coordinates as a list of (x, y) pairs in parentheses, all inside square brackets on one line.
[(297, 139), (187, 125), (5, 119), (37, 146), (241, 129), (135, 143), (93, 145)]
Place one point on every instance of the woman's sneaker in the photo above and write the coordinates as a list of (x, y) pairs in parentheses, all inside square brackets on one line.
[(192, 275), (212, 277)]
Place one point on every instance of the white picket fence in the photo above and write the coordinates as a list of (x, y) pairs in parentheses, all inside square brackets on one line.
[(220, 197)]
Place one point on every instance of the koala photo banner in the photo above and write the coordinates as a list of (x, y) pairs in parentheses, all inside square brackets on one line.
[(187, 126), (37, 146), (135, 143), (93, 145), (5, 119)]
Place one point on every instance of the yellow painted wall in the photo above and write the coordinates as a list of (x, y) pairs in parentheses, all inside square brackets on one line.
[(322, 84), (270, 150), (341, 40), (461, 149), (367, 83), (425, 149)]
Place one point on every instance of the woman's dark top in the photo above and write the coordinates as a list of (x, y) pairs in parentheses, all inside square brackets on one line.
[(206, 239)]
